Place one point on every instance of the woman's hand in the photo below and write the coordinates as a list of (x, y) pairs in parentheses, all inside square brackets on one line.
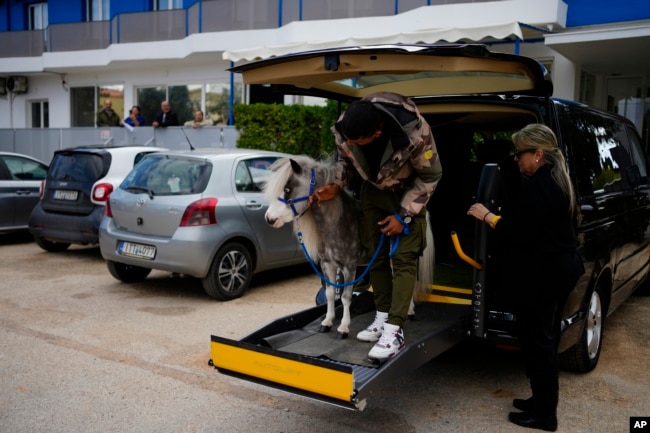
[(478, 211)]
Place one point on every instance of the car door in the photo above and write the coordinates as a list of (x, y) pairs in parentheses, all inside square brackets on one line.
[(275, 244), (20, 181)]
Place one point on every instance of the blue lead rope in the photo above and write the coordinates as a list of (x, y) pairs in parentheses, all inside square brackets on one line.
[(341, 285), (394, 243)]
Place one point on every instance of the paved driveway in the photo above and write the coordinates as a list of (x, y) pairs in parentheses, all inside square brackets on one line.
[(81, 352)]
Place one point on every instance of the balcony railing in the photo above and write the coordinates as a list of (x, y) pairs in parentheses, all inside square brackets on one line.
[(202, 17), (93, 35), (29, 43), (42, 142)]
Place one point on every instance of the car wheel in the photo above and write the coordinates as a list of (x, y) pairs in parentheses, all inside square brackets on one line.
[(583, 357), (51, 247), (230, 273), (127, 273)]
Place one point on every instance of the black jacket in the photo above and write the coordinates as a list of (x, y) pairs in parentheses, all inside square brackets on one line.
[(171, 119)]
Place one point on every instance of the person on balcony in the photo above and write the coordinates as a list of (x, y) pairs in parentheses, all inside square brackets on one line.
[(198, 120), (135, 118), (166, 117), (107, 116)]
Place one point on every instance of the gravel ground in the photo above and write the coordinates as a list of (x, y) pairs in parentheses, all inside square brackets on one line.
[(82, 352)]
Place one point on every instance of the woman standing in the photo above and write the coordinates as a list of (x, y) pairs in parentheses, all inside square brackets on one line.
[(540, 235)]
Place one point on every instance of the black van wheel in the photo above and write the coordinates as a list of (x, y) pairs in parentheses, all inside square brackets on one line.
[(583, 357), (51, 247), (230, 274), (127, 273)]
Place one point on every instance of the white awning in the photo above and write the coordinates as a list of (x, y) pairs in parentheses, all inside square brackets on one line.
[(375, 34)]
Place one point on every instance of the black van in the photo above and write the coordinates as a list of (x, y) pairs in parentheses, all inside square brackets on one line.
[(474, 99)]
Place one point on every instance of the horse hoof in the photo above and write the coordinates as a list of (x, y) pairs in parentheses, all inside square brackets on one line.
[(324, 329), (342, 335)]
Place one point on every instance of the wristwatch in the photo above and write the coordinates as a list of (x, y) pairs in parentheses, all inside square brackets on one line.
[(405, 216)]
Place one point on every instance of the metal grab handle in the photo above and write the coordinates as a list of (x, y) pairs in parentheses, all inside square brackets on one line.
[(462, 255)]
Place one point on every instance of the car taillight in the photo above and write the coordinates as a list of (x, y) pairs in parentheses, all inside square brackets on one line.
[(200, 213), (41, 189), (102, 191), (108, 212)]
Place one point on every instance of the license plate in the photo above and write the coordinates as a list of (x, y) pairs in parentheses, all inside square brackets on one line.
[(61, 194), (136, 250)]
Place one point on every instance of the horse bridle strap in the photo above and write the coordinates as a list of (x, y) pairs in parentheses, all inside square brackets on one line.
[(292, 201)]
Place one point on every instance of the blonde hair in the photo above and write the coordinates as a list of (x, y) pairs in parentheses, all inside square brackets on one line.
[(538, 136)]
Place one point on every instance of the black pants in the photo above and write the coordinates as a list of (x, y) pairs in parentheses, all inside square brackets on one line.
[(543, 295)]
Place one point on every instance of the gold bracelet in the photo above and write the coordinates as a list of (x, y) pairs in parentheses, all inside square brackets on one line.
[(494, 221)]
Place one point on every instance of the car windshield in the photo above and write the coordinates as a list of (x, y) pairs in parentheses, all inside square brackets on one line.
[(165, 175), (76, 167)]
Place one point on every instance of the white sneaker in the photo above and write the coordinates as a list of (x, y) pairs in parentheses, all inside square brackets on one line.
[(390, 343), (374, 330)]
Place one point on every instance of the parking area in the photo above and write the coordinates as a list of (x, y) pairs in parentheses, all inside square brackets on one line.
[(80, 351)]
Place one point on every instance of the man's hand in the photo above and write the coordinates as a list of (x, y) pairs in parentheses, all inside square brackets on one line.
[(324, 193), (390, 226)]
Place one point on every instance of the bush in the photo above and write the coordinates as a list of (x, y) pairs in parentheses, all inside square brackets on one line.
[(294, 129)]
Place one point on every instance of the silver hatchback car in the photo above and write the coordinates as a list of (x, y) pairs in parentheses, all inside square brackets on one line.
[(198, 213)]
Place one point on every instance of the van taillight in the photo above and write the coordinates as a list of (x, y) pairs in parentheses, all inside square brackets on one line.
[(102, 191), (200, 213)]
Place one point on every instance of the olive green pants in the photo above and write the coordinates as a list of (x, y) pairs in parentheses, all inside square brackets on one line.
[(393, 279)]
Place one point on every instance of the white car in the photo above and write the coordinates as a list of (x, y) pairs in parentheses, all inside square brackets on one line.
[(75, 191)]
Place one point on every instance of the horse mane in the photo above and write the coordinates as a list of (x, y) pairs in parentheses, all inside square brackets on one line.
[(332, 209)]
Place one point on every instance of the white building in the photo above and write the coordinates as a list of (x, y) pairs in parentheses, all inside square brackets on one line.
[(142, 57)]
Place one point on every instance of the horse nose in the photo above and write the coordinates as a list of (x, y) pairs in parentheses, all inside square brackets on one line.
[(269, 220)]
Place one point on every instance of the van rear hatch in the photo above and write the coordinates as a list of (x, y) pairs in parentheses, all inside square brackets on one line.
[(417, 70)]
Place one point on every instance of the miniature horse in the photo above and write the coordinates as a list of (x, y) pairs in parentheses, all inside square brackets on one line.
[(329, 230)]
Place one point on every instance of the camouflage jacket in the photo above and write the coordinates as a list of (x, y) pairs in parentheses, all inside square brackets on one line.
[(415, 168)]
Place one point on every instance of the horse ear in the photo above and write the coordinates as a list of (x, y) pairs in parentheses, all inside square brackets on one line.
[(295, 166)]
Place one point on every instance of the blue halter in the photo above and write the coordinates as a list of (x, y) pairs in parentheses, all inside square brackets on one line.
[(292, 201)]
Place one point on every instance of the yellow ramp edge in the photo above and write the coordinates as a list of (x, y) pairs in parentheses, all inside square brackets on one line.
[(443, 299), (308, 377)]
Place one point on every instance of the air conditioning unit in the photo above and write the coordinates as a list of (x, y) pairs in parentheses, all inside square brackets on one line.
[(17, 84), (3, 86)]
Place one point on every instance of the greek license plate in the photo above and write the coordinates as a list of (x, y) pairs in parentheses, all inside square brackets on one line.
[(136, 250), (61, 194)]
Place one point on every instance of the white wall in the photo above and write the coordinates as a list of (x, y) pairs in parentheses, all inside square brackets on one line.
[(49, 87), (564, 73)]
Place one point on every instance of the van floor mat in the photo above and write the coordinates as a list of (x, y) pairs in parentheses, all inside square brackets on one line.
[(307, 341)]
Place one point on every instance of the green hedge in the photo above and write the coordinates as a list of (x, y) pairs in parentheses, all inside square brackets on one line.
[(294, 129)]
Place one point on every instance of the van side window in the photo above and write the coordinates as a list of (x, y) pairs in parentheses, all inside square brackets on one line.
[(638, 157), (603, 156)]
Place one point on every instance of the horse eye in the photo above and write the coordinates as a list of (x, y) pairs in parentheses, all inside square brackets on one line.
[(287, 190)]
